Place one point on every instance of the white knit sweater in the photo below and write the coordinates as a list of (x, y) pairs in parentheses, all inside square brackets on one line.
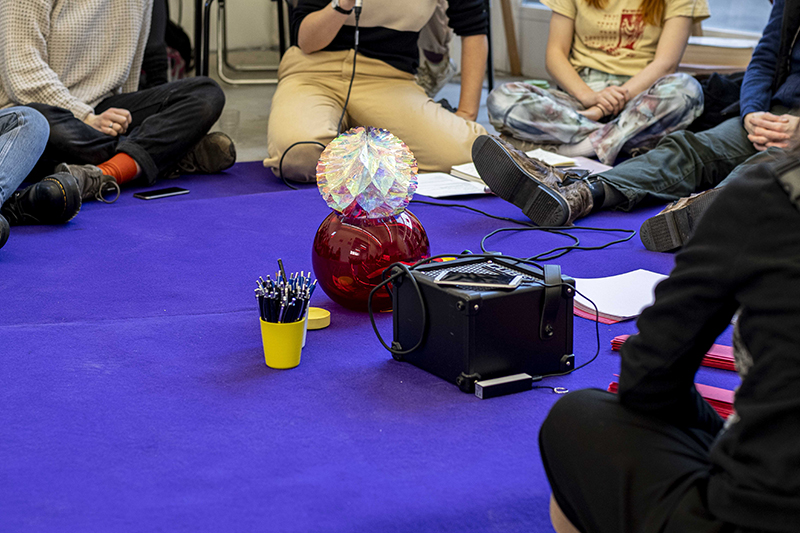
[(71, 53)]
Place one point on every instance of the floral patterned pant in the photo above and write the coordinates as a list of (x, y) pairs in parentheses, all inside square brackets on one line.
[(530, 113)]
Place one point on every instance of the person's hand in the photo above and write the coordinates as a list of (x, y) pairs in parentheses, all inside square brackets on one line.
[(793, 130), (593, 113), (610, 100), (113, 121), (466, 115), (765, 129)]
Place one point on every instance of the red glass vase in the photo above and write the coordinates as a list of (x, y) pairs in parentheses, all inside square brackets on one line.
[(350, 255)]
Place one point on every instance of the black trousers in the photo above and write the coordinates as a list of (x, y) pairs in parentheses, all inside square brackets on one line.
[(167, 121), (614, 470)]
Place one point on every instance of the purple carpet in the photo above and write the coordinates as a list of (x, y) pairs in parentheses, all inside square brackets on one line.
[(134, 395)]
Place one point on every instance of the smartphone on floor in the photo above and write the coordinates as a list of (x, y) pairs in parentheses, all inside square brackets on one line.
[(160, 193)]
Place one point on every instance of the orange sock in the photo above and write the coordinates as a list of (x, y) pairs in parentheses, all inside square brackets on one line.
[(122, 167)]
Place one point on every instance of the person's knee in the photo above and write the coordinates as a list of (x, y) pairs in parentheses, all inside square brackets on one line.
[(208, 97), (679, 83), (33, 120), (211, 92), (678, 142), (566, 417), (298, 162)]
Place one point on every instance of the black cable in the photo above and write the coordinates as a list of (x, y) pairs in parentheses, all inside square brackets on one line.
[(344, 109), (560, 230), (353, 75), (404, 271), (470, 208), (557, 230)]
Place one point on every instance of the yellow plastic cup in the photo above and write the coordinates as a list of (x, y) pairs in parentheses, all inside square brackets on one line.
[(282, 343)]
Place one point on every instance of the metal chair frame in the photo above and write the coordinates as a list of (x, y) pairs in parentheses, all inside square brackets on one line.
[(223, 60)]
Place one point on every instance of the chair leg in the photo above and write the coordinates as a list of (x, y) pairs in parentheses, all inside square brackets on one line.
[(281, 30), (489, 56), (198, 37), (206, 35), (222, 55)]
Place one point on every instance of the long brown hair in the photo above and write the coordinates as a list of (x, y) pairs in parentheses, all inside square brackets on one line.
[(653, 10)]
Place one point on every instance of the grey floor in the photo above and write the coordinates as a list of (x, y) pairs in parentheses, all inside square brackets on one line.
[(247, 106)]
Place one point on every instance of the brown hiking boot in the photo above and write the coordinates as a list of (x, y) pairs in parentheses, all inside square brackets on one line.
[(548, 196), (672, 227), (93, 184), (214, 153)]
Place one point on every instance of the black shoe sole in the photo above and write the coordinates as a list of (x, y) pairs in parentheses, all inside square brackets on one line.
[(510, 182), (669, 231)]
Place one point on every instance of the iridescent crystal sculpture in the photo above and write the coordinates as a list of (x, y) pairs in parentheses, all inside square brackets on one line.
[(367, 176), (367, 172)]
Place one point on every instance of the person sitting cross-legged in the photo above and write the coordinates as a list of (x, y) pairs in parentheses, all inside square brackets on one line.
[(78, 64), (321, 68), (683, 163), (657, 457), (618, 90)]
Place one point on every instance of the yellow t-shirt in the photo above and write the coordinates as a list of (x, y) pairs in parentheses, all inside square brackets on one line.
[(615, 39)]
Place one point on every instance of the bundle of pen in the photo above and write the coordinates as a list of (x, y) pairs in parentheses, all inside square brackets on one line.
[(284, 299)]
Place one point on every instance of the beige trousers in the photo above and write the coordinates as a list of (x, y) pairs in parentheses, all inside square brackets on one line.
[(310, 96)]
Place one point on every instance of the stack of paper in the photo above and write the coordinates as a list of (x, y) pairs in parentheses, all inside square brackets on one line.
[(719, 356), (720, 399), (617, 298), (468, 171), (441, 185)]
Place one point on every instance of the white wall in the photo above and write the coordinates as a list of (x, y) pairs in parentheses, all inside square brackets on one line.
[(251, 23), (531, 25)]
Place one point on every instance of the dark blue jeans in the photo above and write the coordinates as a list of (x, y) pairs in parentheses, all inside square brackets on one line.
[(168, 121), (23, 134)]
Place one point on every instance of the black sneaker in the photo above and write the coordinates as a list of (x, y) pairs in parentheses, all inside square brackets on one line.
[(4, 230), (93, 184), (672, 227), (214, 153), (548, 196), (54, 200)]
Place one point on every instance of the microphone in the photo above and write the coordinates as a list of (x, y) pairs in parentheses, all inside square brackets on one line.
[(357, 7)]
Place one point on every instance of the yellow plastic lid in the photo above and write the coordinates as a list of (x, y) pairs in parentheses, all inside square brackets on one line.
[(318, 318)]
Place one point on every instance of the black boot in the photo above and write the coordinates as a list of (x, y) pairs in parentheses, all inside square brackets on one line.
[(54, 200)]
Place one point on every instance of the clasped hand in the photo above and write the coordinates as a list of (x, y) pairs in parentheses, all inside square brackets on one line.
[(113, 121), (766, 130), (609, 101)]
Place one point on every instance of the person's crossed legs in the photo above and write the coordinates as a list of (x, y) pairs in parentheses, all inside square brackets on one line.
[(167, 132), (614, 470)]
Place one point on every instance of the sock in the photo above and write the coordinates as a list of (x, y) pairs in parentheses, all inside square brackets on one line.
[(122, 167), (581, 149)]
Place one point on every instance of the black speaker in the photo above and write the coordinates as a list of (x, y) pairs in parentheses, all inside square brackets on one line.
[(475, 333)]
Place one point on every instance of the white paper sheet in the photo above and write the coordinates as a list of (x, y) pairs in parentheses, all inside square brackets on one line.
[(441, 185), (622, 296)]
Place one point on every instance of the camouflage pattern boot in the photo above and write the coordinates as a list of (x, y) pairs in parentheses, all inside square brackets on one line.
[(547, 195)]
